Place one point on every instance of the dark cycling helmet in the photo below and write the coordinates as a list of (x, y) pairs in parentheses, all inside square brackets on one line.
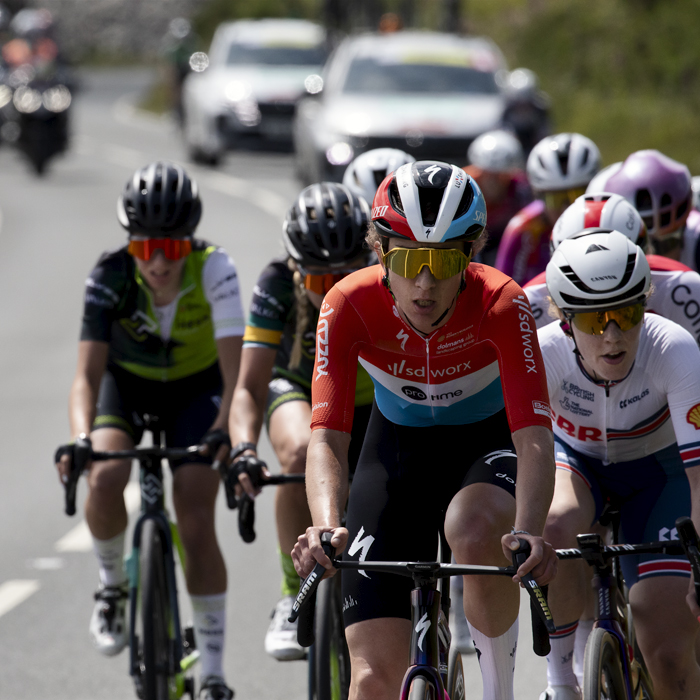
[(658, 186), (431, 202), (160, 199), (326, 226)]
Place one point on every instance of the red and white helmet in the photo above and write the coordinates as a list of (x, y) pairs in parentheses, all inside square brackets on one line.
[(600, 210), (431, 202)]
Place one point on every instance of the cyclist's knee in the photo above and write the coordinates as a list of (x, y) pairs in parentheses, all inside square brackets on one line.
[(374, 681), (107, 480), (472, 536), (562, 527)]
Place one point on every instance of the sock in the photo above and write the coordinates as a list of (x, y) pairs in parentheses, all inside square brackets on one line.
[(210, 631), (290, 577), (582, 632), (560, 666), (497, 660), (110, 557)]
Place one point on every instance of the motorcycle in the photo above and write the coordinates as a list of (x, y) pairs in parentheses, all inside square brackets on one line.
[(34, 115)]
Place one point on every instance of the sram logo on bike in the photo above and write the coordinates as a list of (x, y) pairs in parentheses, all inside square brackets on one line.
[(322, 360), (413, 392)]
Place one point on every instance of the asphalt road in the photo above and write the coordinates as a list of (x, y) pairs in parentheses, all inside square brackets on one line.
[(52, 230)]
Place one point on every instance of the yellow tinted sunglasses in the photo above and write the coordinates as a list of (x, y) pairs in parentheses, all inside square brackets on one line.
[(442, 262), (595, 322), (561, 198)]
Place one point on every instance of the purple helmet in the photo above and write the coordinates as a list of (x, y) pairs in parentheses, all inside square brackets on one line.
[(658, 187)]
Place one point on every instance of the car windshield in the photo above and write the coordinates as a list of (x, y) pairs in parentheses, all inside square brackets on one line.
[(277, 55), (368, 75)]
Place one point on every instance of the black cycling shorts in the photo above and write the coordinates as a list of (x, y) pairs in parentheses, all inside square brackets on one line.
[(281, 390), (405, 480), (185, 408)]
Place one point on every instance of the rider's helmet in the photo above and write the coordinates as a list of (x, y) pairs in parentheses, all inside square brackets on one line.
[(695, 183), (522, 82), (32, 23), (367, 171), (562, 162), (326, 226), (600, 210), (431, 202), (598, 269), (497, 151), (659, 187), (161, 200)]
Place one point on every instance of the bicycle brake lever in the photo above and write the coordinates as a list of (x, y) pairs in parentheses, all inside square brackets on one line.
[(81, 456), (691, 546), (542, 621), (246, 518)]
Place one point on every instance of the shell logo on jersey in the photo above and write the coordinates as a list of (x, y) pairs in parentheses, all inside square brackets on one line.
[(693, 416), (322, 360)]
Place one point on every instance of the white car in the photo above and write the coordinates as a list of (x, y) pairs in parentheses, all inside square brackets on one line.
[(252, 79), (426, 93)]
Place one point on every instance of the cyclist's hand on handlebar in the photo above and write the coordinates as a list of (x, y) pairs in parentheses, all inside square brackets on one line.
[(64, 458), (542, 562), (308, 550), (251, 471), (216, 443)]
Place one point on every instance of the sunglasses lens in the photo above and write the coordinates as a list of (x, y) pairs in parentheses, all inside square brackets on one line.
[(173, 248), (443, 263), (321, 284), (562, 198), (595, 322)]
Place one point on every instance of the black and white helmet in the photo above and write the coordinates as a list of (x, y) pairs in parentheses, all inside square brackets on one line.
[(600, 269), (562, 162), (326, 226), (364, 175), (600, 210), (497, 151), (160, 200)]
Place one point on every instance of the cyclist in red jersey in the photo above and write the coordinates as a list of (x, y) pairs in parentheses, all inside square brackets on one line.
[(558, 169), (496, 162), (460, 432)]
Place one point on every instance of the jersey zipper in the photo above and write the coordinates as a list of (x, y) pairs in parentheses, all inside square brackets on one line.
[(427, 369)]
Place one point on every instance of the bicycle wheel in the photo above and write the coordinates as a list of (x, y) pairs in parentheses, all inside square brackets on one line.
[(422, 689), (455, 675), (330, 657), (603, 677), (155, 615)]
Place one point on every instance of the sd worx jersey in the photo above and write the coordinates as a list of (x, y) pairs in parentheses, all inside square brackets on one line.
[(656, 405), (170, 342), (484, 358)]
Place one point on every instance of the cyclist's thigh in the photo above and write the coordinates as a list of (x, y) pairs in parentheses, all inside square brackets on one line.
[(120, 406), (288, 418), (577, 493)]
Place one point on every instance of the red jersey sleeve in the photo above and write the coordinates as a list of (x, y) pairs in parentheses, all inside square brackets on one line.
[(339, 334), (510, 326)]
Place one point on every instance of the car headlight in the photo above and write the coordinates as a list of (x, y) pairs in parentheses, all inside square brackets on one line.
[(340, 153), (313, 84), (26, 100), (247, 112), (57, 98), (237, 90), (199, 62)]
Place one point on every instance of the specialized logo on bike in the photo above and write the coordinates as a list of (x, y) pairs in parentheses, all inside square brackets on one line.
[(151, 489), (422, 629), (693, 416)]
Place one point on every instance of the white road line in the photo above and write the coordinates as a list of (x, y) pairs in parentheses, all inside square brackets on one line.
[(13, 593), (79, 538)]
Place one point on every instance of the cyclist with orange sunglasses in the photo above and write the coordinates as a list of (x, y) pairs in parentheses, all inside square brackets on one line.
[(324, 233), (161, 336), (625, 389), (558, 170), (460, 431)]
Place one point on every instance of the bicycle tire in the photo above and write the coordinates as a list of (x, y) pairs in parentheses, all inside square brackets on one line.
[(155, 615), (330, 656), (603, 677), (422, 689), (455, 675)]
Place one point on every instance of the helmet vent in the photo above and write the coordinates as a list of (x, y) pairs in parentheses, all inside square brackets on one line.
[(593, 248), (665, 219), (394, 197), (682, 208), (465, 202), (311, 214), (430, 200), (666, 200), (379, 176), (584, 160), (642, 200)]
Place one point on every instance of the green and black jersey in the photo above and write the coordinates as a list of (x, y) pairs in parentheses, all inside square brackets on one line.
[(272, 324), (170, 342)]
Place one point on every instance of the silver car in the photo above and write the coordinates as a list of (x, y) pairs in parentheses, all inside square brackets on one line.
[(427, 93), (246, 89)]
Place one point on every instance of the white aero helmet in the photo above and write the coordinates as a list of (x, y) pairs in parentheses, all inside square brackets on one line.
[(597, 270), (600, 210), (562, 162), (497, 151), (368, 170)]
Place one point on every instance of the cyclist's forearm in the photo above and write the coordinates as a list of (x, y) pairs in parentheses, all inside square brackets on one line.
[(327, 476), (245, 417), (535, 484), (82, 405)]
